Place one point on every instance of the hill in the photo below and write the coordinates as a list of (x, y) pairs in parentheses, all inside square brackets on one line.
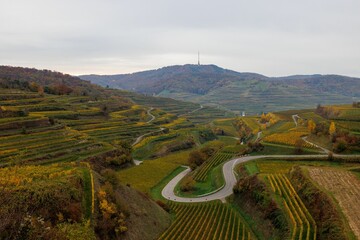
[(250, 92), (58, 132), (45, 81)]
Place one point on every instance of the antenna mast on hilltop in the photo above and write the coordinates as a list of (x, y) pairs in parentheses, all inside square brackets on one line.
[(198, 58)]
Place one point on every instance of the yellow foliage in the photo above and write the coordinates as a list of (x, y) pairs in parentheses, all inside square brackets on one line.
[(175, 122), (16, 176), (102, 194), (60, 217), (288, 138), (311, 125), (332, 128), (106, 207)]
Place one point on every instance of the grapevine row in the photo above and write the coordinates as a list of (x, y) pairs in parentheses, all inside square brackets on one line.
[(208, 221), (215, 160), (303, 225), (288, 138)]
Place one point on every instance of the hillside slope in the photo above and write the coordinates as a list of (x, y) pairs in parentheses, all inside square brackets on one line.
[(61, 141), (250, 92)]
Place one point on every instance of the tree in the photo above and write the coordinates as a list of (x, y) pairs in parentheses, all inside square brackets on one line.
[(105, 110), (298, 146), (263, 118), (196, 158), (187, 184), (311, 126), (332, 128), (340, 146), (33, 86)]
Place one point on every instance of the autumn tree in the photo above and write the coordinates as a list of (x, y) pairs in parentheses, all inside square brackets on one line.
[(311, 126), (187, 184), (33, 86), (196, 158), (263, 118), (332, 128), (62, 89)]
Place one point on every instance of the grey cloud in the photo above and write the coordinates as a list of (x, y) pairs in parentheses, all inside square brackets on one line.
[(275, 37)]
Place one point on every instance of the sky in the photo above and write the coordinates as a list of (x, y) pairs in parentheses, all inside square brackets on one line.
[(275, 38)]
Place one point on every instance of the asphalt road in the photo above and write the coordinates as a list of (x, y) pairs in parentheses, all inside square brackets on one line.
[(152, 116), (230, 178)]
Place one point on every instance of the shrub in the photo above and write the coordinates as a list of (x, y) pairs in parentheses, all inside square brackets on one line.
[(187, 184)]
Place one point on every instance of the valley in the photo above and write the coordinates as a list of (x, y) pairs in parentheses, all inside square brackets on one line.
[(79, 161)]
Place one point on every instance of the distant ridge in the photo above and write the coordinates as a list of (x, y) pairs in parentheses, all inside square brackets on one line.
[(238, 91)]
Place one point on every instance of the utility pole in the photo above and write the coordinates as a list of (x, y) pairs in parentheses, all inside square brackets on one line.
[(198, 58)]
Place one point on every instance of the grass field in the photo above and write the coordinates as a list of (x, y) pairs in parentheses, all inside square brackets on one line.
[(151, 172), (227, 126)]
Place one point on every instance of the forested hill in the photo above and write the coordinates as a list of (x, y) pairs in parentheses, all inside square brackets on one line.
[(188, 78), (250, 92), (47, 81)]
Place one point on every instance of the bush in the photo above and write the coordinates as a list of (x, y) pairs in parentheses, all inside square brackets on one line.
[(206, 135), (340, 146), (187, 184), (198, 157), (254, 147)]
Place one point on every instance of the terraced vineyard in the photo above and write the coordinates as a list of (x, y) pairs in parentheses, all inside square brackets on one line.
[(346, 112), (303, 225), (253, 123), (52, 128), (288, 138), (350, 126), (207, 113), (167, 104), (49, 145), (215, 160), (192, 111), (205, 221), (112, 130)]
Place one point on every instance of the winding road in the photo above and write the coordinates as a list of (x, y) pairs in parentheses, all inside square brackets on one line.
[(327, 151), (152, 116), (195, 110), (294, 118), (168, 191), (138, 139), (226, 190), (313, 144), (258, 136), (229, 176)]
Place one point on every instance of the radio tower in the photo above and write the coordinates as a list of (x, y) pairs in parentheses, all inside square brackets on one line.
[(198, 58)]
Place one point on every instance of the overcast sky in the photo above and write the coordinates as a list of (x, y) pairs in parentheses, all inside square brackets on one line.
[(271, 37)]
